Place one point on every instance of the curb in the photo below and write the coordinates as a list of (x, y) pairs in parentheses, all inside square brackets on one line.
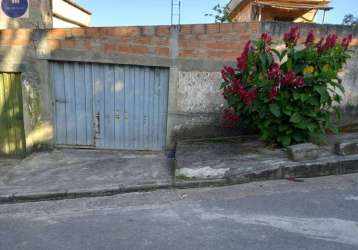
[(305, 170), (75, 194)]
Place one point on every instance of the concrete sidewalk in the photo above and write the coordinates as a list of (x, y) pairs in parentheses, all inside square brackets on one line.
[(71, 173), (238, 160)]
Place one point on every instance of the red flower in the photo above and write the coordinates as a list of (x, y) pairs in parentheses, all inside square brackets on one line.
[(292, 80), (331, 41), (236, 86), (274, 72), (299, 82), (273, 92), (292, 36), (248, 96), (227, 73), (242, 60), (230, 118), (266, 38), (288, 79), (320, 46), (227, 91), (310, 38), (346, 41)]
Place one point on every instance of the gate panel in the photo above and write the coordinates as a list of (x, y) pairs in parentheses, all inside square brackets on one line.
[(73, 104), (121, 107), (119, 94)]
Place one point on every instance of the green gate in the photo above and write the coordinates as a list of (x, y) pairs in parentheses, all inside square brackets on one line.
[(12, 136)]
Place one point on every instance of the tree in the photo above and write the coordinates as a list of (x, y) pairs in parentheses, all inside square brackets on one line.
[(350, 19), (221, 14)]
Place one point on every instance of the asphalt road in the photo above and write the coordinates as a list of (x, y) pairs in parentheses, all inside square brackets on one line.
[(320, 213)]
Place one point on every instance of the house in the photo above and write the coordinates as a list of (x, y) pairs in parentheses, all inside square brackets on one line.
[(277, 10), (43, 14)]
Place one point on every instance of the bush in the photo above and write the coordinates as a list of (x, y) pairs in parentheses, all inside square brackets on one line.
[(288, 95)]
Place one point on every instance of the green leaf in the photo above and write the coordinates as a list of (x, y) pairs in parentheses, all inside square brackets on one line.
[(301, 125), (298, 136), (337, 110), (313, 101), (296, 95), (285, 140), (311, 126), (286, 111), (323, 92), (282, 127), (304, 97), (263, 61), (275, 109), (296, 118)]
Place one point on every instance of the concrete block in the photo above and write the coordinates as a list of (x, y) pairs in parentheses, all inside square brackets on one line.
[(303, 152), (349, 147)]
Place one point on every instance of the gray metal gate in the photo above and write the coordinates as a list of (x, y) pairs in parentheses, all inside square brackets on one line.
[(110, 106)]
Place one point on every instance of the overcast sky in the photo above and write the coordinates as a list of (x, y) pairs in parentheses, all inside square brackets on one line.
[(155, 12)]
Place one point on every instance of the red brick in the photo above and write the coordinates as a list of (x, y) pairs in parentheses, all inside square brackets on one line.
[(109, 47), (95, 32), (199, 29), (53, 44), (212, 28), (138, 50), (226, 27), (162, 51), (160, 41), (222, 55), (142, 40), (191, 44), (56, 34), (133, 31), (186, 29), (123, 48), (239, 27), (68, 44), (87, 44), (225, 45), (78, 32), (244, 37), (20, 37), (186, 53), (162, 31), (148, 31)]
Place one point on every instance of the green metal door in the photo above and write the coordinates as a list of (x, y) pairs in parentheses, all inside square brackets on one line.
[(12, 136)]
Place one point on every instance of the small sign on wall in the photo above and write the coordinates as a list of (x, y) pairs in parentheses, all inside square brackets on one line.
[(15, 8)]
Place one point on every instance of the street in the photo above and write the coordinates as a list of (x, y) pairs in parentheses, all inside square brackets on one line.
[(319, 213)]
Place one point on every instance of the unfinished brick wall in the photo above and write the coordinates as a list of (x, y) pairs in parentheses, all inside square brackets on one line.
[(201, 41)]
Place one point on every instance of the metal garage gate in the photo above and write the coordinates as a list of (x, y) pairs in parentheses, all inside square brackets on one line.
[(110, 106)]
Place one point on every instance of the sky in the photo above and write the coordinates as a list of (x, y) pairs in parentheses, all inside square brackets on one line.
[(157, 12)]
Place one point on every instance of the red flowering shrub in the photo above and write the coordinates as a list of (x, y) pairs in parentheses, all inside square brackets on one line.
[(287, 95)]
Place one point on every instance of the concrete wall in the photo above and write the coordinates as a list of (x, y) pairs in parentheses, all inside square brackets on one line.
[(195, 55)]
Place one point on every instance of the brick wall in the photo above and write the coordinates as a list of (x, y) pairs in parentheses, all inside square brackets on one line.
[(201, 41)]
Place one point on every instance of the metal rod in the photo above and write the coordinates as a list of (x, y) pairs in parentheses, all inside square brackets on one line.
[(171, 19), (179, 11)]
